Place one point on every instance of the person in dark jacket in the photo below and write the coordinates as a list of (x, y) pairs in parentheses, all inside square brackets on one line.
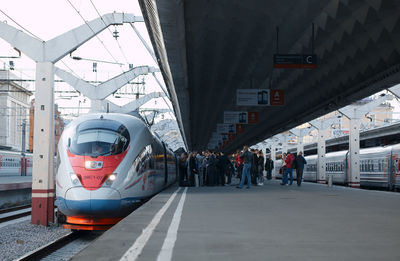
[(254, 167), (211, 169), (192, 169), (300, 161), (182, 169), (220, 179), (269, 166), (260, 178)]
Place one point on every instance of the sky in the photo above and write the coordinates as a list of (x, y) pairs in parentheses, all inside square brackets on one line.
[(47, 19)]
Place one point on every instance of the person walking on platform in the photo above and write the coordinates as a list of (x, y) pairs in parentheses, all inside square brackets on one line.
[(260, 178), (289, 161), (247, 159), (269, 166), (300, 161), (283, 170)]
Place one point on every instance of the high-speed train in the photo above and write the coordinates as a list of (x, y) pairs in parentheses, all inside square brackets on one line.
[(107, 165), (379, 167)]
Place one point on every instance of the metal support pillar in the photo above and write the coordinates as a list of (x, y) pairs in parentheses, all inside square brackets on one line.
[(273, 152), (355, 114), (353, 177), (46, 54), (96, 106), (321, 162), (284, 144), (43, 146), (300, 144)]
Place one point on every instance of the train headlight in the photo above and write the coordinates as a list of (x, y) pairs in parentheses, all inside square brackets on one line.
[(111, 179), (89, 164), (74, 179)]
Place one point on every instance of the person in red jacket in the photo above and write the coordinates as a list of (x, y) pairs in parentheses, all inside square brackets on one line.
[(239, 164), (289, 162)]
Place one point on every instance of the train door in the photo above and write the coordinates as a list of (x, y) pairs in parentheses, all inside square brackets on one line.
[(23, 166), (346, 168), (391, 170), (165, 165)]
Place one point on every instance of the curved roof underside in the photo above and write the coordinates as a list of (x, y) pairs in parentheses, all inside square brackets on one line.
[(208, 49)]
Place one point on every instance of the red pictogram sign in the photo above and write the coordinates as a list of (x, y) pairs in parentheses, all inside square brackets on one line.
[(277, 97), (252, 117), (239, 128)]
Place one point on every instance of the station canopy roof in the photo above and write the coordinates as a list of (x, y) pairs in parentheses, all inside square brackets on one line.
[(209, 49)]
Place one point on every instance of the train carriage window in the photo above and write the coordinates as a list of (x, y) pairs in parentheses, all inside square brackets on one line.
[(99, 138), (142, 161)]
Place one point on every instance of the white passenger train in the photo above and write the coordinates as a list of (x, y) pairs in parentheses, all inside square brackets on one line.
[(379, 167), (108, 164), (14, 164)]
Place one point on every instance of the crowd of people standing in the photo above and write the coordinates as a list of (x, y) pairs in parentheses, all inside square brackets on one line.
[(207, 168), (292, 161), (210, 168)]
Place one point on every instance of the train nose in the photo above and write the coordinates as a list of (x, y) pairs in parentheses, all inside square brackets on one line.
[(103, 201)]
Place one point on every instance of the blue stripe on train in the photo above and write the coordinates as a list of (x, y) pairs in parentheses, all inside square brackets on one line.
[(96, 206)]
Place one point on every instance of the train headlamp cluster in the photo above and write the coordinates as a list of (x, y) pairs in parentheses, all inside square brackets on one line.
[(90, 164)]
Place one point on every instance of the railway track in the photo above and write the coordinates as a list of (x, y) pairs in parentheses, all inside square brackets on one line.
[(14, 213), (63, 248), (40, 253)]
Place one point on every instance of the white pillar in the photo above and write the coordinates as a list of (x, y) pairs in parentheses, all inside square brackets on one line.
[(96, 106), (273, 152), (43, 146), (353, 177), (284, 144), (321, 162), (300, 144)]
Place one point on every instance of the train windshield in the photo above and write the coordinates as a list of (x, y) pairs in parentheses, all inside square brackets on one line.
[(99, 138)]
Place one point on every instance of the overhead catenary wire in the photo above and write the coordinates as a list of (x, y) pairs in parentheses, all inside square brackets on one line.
[(37, 37), (97, 37), (108, 28)]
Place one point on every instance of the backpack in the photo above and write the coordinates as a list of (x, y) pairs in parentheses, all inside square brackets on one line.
[(294, 163)]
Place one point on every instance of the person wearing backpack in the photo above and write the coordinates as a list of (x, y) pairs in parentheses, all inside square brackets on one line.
[(300, 161), (289, 160)]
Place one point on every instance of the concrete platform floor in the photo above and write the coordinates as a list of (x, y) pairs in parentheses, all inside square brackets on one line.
[(272, 222)]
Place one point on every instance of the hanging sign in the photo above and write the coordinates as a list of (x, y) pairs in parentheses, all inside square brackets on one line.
[(303, 61), (224, 128), (252, 97), (235, 117)]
